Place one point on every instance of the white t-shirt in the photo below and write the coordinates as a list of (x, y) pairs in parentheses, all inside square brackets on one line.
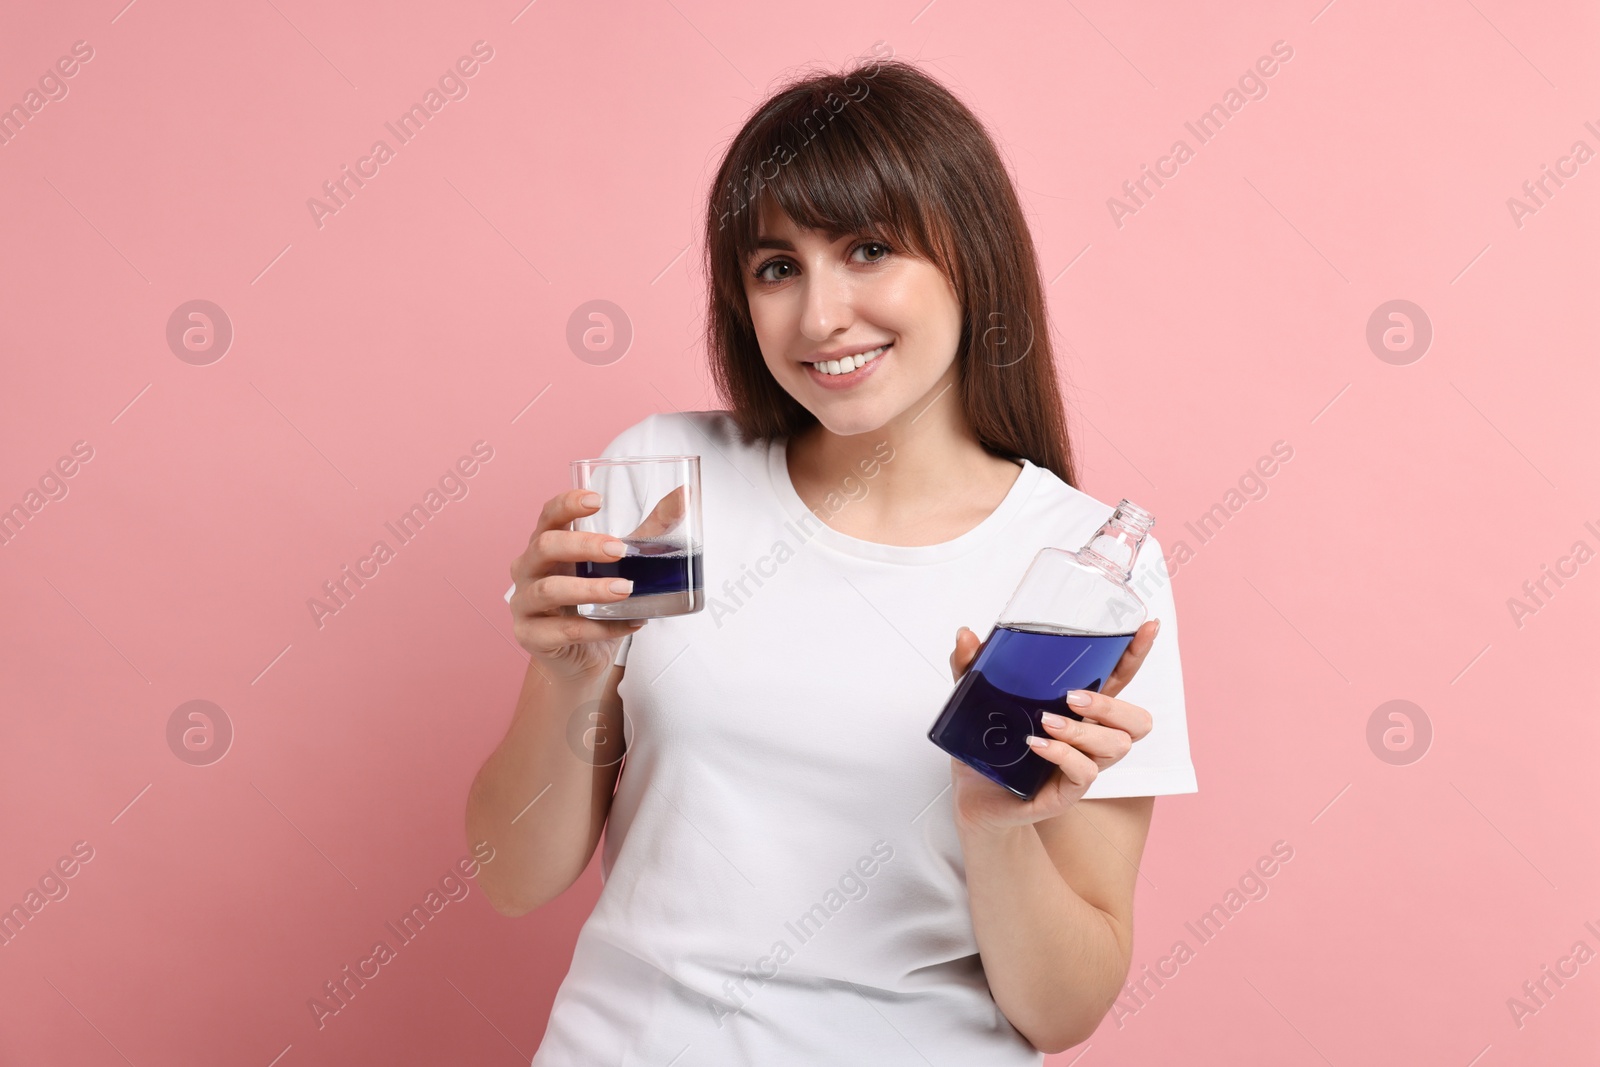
[(783, 883)]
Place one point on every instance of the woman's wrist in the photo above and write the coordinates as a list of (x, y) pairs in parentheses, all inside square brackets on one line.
[(988, 836)]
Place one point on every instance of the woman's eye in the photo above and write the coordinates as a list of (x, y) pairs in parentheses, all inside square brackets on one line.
[(780, 270)]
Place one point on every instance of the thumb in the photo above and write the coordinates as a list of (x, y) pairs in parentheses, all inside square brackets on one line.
[(966, 650)]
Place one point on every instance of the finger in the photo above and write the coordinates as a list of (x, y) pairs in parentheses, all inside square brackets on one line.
[(1104, 744), (556, 514), (1079, 767), (665, 517), (572, 546), (1102, 710), (563, 508), (1144, 638), (967, 648), (544, 595)]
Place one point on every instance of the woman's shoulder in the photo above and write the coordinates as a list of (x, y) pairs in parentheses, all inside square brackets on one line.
[(1071, 513), (1054, 493)]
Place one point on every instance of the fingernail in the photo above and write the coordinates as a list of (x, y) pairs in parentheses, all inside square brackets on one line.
[(1078, 698), (615, 548), (1051, 719), (590, 500), (1038, 742), (622, 585), (1156, 630)]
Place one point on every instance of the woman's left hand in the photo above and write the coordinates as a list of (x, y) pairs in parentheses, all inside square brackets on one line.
[(1080, 749)]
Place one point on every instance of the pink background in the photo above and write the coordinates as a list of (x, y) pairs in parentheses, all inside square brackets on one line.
[(1227, 314)]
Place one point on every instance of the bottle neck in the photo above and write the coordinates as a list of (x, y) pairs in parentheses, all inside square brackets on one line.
[(1115, 546)]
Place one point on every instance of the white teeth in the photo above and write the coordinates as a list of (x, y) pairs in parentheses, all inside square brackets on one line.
[(850, 363)]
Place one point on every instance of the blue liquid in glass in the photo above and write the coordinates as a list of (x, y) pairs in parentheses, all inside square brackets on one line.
[(658, 567), (1022, 671)]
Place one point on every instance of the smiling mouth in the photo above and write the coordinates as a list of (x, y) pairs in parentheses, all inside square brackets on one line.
[(849, 363)]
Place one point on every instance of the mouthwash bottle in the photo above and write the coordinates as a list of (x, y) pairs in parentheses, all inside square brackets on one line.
[(1064, 628)]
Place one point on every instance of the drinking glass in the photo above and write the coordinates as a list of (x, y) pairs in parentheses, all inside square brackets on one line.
[(652, 505)]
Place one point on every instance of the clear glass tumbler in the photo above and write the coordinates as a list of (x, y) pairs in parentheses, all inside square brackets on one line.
[(652, 505)]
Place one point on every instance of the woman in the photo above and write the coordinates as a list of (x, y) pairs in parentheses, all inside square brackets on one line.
[(793, 872)]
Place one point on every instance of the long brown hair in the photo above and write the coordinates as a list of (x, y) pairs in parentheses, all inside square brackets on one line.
[(881, 146)]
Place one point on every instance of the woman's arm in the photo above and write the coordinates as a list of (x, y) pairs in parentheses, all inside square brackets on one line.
[(540, 799), (536, 801), (1050, 880), (1052, 909)]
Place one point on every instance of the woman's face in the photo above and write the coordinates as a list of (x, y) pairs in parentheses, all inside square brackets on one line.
[(815, 300)]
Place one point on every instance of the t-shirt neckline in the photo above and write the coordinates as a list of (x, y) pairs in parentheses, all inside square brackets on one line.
[(811, 526)]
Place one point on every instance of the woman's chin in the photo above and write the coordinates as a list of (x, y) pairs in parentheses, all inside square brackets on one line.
[(853, 423)]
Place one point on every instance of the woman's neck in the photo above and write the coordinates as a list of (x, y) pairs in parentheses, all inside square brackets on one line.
[(930, 481)]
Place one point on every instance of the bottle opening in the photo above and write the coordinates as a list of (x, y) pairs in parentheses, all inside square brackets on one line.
[(1134, 515)]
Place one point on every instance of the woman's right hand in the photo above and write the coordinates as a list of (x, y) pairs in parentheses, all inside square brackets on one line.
[(543, 608)]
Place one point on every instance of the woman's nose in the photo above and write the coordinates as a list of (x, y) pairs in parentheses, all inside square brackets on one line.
[(827, 307)]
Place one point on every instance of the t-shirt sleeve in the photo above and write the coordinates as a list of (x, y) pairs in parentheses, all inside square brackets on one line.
[(636, 440), (1159, 763)]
